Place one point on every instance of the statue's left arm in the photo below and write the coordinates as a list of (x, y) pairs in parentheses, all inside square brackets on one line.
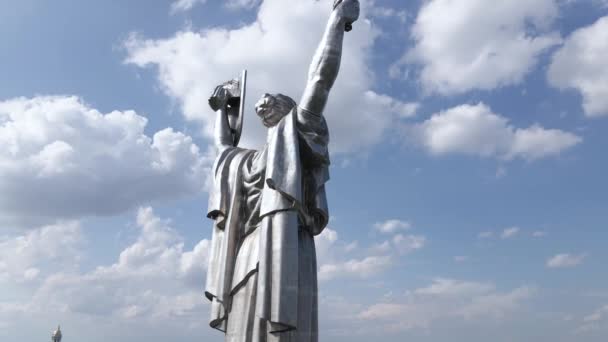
[(326, 61)]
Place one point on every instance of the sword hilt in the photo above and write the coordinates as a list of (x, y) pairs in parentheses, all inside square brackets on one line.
[(349, 26)]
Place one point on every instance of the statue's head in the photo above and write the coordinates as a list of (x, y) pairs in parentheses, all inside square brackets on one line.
[(272, 108)]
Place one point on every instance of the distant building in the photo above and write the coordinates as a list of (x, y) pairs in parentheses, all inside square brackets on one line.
[(57, 335)]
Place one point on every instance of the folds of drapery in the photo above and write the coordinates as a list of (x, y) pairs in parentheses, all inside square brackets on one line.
[(224, 209), (297, 168)]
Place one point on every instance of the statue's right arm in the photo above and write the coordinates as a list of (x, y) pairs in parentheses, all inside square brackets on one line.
[(223, 137), (326, 61)]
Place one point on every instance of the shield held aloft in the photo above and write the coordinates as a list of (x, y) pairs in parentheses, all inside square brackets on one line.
[(230, 96)]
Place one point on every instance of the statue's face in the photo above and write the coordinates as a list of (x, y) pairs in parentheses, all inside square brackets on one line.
[(269, 110)]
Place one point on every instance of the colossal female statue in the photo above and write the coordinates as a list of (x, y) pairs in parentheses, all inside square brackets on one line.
[(268, 205)]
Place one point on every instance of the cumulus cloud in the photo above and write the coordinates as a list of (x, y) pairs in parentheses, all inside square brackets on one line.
[(460, 258), (476, 130), (381, 247), (598, 315), (485, 235), (154, 278), (362, 268), (565, 260), (594, 321), (325, 245), (408, 243), (581, 64), (152, 290), (332, 264), (509, 232), (453, 288), (239, 4), (185, 5), (27, 257), (160, 248), (283, 36), (64, 159), (387, 12), (392, 226), (443, 299), (400, 242), (495, 305), (460, 50)]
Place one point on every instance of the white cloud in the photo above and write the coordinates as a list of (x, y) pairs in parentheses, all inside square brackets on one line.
[(581, 64), (239, 4), (351, 246), (594, 321), (184, 5), (334, 265), (277, 49), (392, 226), (64, 159), (160, 249), (454, 288), (598, 315), (461, 258), (155, 278), (340, 313), (402, 243), (362, 268), (565, 260), (539, 234), (461, 50), (28, 257), (325, 245), (476, 130), (501, 172), (381, 247), (495, 304), (388, 12), (401, 109), (408, 243), (153, 289), (485, 235), (444, 299), (510, 232)]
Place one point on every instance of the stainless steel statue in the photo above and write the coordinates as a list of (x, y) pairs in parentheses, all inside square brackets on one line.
[(268, 205)]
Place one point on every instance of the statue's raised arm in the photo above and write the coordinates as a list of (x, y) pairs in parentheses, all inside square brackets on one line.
[(326, 61)]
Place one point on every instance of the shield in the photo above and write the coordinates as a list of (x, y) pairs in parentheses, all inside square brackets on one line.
[(231, 97), (238, 128)]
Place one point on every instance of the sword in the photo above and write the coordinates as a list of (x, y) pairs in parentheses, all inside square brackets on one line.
[(349, 26)]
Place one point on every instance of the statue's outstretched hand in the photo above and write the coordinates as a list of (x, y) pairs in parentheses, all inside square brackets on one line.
[(348, 10)]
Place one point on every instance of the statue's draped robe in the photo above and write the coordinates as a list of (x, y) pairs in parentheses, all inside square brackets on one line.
[(267, 205)]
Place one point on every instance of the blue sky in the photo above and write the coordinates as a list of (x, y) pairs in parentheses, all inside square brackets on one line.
[(468, 195)]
